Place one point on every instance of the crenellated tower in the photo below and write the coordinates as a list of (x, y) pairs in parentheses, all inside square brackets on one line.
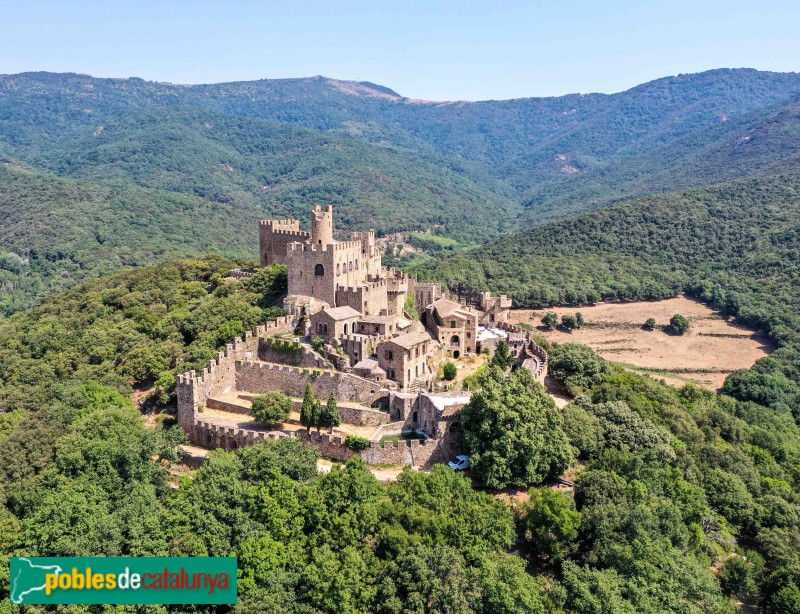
[(322, 225)]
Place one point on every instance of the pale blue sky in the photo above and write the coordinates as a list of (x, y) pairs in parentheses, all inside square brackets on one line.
[(443, 50)]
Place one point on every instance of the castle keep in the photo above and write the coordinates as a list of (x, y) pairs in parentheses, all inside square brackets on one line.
[(350, 335)]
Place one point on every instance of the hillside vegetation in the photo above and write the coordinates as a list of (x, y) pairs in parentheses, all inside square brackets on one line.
[(734, 246), (58, 232), (673, 481), (218, 157), (761, 143)]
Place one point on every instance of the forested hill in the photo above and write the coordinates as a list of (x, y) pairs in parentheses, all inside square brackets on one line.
[(58, 232), (511, 136), (760, 143), (743, 235), (189, 169), (280, 170)]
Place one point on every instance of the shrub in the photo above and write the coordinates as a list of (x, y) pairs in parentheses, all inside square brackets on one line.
[(550, 320), (449, 371), (318, 343), (356, 443), (271, 408), (678, 324), (650, 324), (569, 322)]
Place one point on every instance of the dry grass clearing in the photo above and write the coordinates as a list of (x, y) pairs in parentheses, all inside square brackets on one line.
[(711, 349)]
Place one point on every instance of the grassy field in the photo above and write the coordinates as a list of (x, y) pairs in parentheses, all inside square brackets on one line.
[(705, 355)]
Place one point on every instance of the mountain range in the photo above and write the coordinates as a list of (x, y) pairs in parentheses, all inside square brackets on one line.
[(97, 174)]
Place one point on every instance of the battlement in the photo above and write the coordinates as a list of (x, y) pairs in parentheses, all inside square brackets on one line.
[(285, 232), (277, 367), (308, 247), (286, 224), (365, 287), (409, 443)]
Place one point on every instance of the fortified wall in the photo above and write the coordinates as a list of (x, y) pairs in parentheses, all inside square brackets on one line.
[(526, 349), (220, 375), (417, 453)]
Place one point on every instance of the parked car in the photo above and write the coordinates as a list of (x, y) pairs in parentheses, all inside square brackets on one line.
[(461, 463)]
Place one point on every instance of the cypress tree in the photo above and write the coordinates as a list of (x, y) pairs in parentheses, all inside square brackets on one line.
[(330, 415), (308, 412)]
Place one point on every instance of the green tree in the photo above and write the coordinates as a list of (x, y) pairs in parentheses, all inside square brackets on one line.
[(569, 322), (449, 371), (550, 320), (737, 576), (551, 522), (271, 408), (330, 417), (678, 324), (579, 322), (513, 431), (577, 367), (309, 410), (502, 358)]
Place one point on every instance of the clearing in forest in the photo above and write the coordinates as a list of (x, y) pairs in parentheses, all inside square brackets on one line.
[(705, 355)]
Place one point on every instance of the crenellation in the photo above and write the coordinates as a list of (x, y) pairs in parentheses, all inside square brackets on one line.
[(326, 277)]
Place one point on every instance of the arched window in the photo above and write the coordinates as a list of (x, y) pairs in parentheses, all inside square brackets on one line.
[(319, 270), (350, 266), (455, 341), (338, 270), (345, 328), (356, 264)]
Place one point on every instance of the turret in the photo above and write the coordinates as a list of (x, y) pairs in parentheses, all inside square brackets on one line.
[(322, 225)]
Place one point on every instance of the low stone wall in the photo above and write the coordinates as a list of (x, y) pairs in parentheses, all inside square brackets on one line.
[(221, 405), (417, 453)]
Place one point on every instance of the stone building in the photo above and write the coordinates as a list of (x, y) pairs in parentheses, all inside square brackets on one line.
[(454, 325), (405, 358), (334, 323), (327, 273), (378, 360), (494, 309)]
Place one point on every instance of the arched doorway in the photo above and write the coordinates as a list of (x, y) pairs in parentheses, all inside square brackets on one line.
[(319, 270)]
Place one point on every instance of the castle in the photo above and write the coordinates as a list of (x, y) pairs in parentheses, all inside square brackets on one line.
[(371, 335)]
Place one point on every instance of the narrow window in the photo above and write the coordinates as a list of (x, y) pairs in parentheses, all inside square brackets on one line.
[(319, 270)]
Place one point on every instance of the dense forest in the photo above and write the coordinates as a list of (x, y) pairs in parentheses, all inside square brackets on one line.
[(685, 501), (221, 156)]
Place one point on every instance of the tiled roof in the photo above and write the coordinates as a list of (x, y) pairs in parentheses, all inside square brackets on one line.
[(342, 313)]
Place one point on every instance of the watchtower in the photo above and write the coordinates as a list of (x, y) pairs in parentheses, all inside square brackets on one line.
[(322, 225)]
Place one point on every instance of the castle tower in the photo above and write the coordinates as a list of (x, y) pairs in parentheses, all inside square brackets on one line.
[(322, 225)]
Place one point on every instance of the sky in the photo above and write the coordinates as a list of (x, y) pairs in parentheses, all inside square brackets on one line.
[(428, 49)]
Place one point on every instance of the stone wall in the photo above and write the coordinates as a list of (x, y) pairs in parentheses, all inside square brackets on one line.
[(417, 453), (531, 348), (259, 378), (220, 376), (304, 358)]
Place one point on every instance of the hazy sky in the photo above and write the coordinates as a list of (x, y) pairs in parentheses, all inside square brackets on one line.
[(421, 48)]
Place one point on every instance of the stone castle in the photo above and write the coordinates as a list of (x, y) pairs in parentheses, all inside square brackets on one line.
[(371, 335)]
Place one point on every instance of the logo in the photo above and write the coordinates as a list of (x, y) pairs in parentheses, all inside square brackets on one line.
[(121, 580)]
